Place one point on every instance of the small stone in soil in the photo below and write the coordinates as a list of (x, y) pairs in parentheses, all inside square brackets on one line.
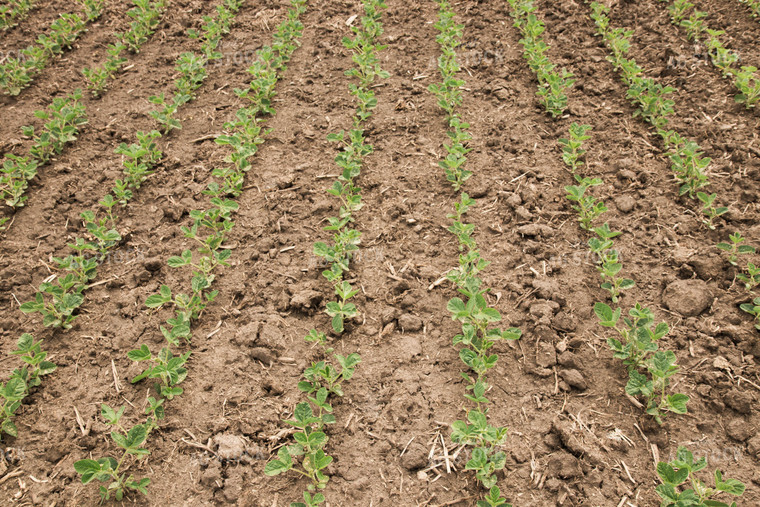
[(625, 203), (263, 355), (409, 347), (565, 465)]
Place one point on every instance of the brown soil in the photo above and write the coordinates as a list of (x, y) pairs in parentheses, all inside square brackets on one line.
[(575, 439)]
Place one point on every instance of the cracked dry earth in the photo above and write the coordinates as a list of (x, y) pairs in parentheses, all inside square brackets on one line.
[(575, 439)]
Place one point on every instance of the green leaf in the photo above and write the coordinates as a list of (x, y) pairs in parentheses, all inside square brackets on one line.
[(677, 403), (88, 469), (730, 486), (303, 412), (606, 315), (141, 354), (278, 466), (155, 300), (9, 428)]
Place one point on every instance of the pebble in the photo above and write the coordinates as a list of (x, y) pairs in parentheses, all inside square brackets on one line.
[(741, 401), (415, 457), (263, 355), (565, 465)]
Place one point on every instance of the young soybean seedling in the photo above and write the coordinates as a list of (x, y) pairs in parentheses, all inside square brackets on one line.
[(752, 278), (639, 338), (748, 83), (683, 468), (66, 296), (710, 211), (22, 379), (609, 265), (572, 147), (735, 248), (108, 469), (588, 207), (661, 366)]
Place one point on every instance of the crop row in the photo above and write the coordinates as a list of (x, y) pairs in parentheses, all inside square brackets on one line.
[(477, 434), (649, 369), (746, 80), (553, 85), (638, 339), (58, 301), (208, 231), (146, 14), (18, 73), (65, 116), (323, 378), (637, 346), (59, 297), (754, 5), (14, 12), (687, 162)]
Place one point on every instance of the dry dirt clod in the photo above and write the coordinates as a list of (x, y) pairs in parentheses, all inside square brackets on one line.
[(574, 378), (410, 323), (687, 297)]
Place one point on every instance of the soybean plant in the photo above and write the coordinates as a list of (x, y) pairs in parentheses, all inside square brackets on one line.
[(639, 350), (608, 261), (15, 11), (208, 231), (22, 380), (572, 146), (478, 336), (682, 469), (711, 212), (553, 85), (653, 104), (588, 207), (736, 248), (322, 379)]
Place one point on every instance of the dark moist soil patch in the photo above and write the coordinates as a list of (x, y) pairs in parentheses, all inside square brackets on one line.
[(574, 437)]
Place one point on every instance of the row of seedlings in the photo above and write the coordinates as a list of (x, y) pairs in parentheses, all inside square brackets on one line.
[(192, 66), (638, 349), (686, 156), (639, 340), (477, 434), (14, 12), (649, 369), (684, 14), (746, 81), (637, 355), (18, 73), (59, 297), (146, 15), (553, 85), (208, 231), (654, 106), (63, 119), (58, 301), (748, 273), (65, 116), (323, 378)]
